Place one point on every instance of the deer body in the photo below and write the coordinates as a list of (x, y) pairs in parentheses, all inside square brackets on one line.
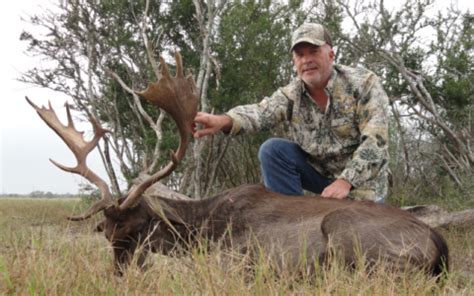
[(284, 227)]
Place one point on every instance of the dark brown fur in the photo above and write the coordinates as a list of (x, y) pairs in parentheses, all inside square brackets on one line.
[(282, 225)]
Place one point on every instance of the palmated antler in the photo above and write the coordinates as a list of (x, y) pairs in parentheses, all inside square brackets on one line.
[(178, 97), (80, 148)]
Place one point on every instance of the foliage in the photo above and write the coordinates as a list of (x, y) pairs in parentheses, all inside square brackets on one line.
[(253, 45), (428, 84), (425, 62)]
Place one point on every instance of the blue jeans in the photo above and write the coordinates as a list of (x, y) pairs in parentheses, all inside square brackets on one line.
[(285, 168)]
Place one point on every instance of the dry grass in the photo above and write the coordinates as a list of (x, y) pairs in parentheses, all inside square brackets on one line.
[(41, 253)]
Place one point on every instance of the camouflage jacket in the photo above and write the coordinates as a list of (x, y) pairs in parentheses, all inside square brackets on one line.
[(349, 140)]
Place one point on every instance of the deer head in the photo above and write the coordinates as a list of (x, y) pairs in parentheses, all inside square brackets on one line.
[(177, 95)]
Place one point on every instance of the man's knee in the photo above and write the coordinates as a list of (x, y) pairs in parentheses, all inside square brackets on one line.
[(269, 148)]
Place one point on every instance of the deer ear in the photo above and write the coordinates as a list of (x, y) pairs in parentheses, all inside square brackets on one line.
[(100, 226), (172, 216), (165, 211)]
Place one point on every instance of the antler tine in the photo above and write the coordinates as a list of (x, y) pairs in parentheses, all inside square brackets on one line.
[(164, 68), (80, 148), (94, 209), (179, 65), (178, 97), (134, 196)]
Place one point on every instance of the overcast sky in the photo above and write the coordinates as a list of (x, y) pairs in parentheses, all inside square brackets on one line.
[(26, 143)]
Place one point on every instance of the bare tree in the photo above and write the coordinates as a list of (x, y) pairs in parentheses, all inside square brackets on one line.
[(207, 17)]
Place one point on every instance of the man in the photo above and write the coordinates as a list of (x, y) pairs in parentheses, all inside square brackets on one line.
[(337, 117)]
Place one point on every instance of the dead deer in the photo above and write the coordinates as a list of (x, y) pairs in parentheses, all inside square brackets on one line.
[(284, 226)]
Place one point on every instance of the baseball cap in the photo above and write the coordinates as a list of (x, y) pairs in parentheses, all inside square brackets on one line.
[(315, 34)]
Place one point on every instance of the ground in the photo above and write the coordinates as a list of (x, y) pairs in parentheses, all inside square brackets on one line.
[(41, 252)]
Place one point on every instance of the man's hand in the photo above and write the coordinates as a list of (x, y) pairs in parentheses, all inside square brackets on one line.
[(338, 189), (211, 124)]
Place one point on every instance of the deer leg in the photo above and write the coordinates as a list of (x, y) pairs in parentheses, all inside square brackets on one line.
[(342, 241), (123, 253), (355, 239)]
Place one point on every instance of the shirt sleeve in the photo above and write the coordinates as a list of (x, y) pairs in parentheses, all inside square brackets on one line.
[(261, 116), (372, 154)]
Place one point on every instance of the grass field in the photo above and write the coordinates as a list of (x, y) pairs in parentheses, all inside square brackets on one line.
[(41, 253)]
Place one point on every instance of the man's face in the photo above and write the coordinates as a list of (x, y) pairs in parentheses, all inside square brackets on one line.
[(313, 63)]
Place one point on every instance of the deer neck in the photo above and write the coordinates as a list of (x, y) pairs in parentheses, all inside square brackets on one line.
[(187, 212)]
